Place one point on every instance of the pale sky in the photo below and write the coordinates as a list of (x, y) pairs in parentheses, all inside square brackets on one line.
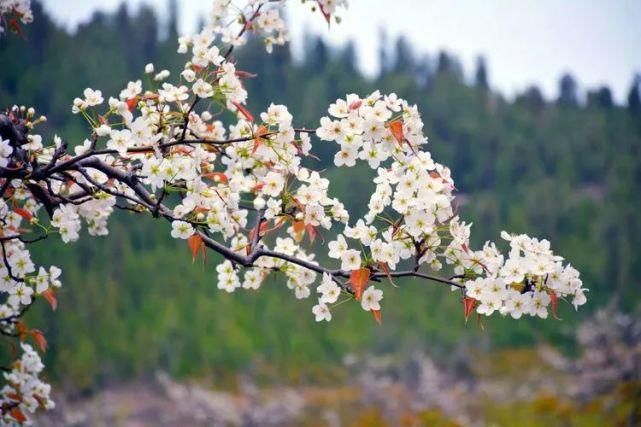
[(524, 41)]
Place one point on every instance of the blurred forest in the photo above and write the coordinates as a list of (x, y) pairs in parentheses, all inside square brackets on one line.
[(566, 169)]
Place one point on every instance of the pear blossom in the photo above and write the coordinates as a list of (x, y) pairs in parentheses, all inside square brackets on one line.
[(329, 289), (321, 311), (371, 299), (92, 97), (203, 89), (132, 90), (120, 140), (274, 184), (517, 304), (350, 260), (540, 302), (5, 152), (181, 230), (20, 295), (337, 247)]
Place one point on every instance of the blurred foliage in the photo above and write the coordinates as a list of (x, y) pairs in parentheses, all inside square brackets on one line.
[(132, 303)]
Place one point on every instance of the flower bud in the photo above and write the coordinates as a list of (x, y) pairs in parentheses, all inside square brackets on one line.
[(102, 130), (188, 75), (259, 203)]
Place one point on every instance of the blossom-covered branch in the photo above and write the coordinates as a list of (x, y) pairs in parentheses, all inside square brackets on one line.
[(190, 152)]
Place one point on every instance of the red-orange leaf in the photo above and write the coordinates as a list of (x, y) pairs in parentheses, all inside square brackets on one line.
[(479, 322), (14, 396), (195, 243), (23, 330), (244, 111), (377, 316), (39, 338), (468, 306), (18, 415), (15, 26), (383, 266), (261, 230), (299, 230), (50, 296), (396, 127), (554, 302), (23, 213), (132, 103), (358, 279), (258, 137), (311, 232)]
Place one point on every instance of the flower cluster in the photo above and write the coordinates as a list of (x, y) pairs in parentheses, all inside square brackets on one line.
[(19, 278), (529, 281), (413, 193), (21, 282), (24, 391), (411, 217), (14, 12)]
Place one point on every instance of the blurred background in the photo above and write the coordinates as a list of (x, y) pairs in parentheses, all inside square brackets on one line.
[(536, 108)]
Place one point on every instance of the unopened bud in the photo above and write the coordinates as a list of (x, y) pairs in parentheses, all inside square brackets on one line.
[(259, 203), (162, 75), (102, 130)]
